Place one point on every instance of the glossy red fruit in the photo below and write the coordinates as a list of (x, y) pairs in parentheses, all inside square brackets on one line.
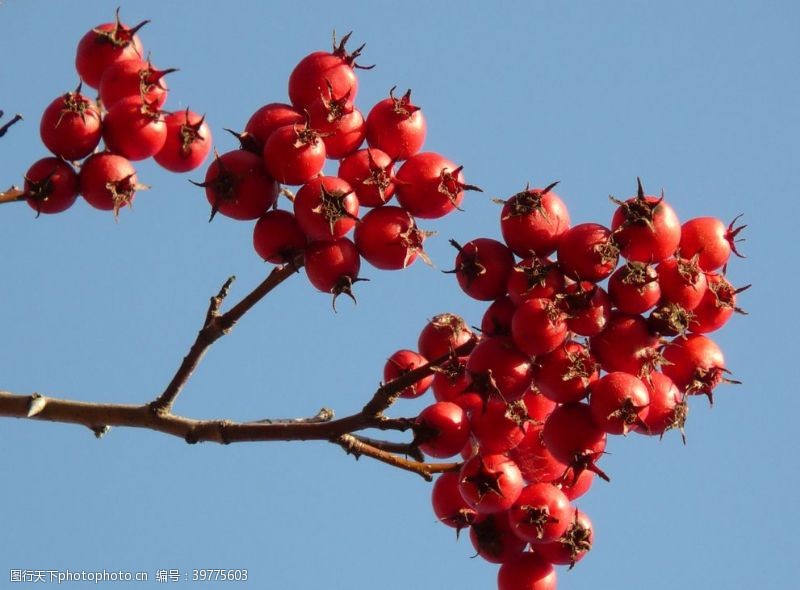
[(388, 238), (695, 364), (134, 78), (534, 277), (134, 129), (493, 539), (448, 505), (323, 72), (443, 334), (587, 306), (542, 513), (105, 45), (498, 370), (188, 142), (667, 407), (451, 380), (573, 438), (396, 126), (565, 374), (326, 208), (482, 268), (533, 221), (267, 119), (332, 266), (573, 545), (717, 305), (490, 483), (294, 154), (646, 228), (526, 572), (51, 186), (430, 186), (496, 319), (108, 182), (402, 362), (634, 287), (711, 240), (682, 282), (575, 487), (538, 326), (499, 426), (340, 124), (277, 237), (70, 126), (238, 186), (619, 403), (534, 459), (371, 174), (627, 344), (587, 252), (441, 430), (538, 406)]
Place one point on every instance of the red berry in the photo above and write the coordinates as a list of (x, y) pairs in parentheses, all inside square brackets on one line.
[(238, 186), (70, 126), (105, 45), (388, 238), (482, 268), (396, 126), (108, 182), (51, 186), (402, 362), (326, 208), (430, 186), (187, 144), (294, 154), (441, 430), (533, 221), (277, 237)]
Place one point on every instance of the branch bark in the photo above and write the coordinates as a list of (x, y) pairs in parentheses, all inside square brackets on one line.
[(158, 415)]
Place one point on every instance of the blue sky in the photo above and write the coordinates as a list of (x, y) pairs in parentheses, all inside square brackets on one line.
[(697, 98)]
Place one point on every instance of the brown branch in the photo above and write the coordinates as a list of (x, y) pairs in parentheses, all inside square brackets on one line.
[(400, 448), (217, 325), (12, 195), (5, 127), (388, 393), (157, 415), (357, 448), (93, 415)]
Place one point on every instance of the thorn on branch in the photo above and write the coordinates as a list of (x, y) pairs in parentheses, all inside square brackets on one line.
[(36, 405), (100, 431)]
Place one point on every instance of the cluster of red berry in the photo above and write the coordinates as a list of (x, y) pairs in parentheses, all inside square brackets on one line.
[(288, 144), (528, 404), (127, 116)]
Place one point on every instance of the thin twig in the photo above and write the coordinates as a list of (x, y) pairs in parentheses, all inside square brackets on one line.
[(215, 326), (357, 448), (8, 124), (399, 448), (388, 392), (13, 194)]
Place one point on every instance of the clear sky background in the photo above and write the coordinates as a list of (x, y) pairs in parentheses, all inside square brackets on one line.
[(698, 98)]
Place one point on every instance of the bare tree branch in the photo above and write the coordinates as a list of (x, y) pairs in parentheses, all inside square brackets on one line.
[(357, 448), (157, 415), (13, 194), (217, 325), (5, 127)]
